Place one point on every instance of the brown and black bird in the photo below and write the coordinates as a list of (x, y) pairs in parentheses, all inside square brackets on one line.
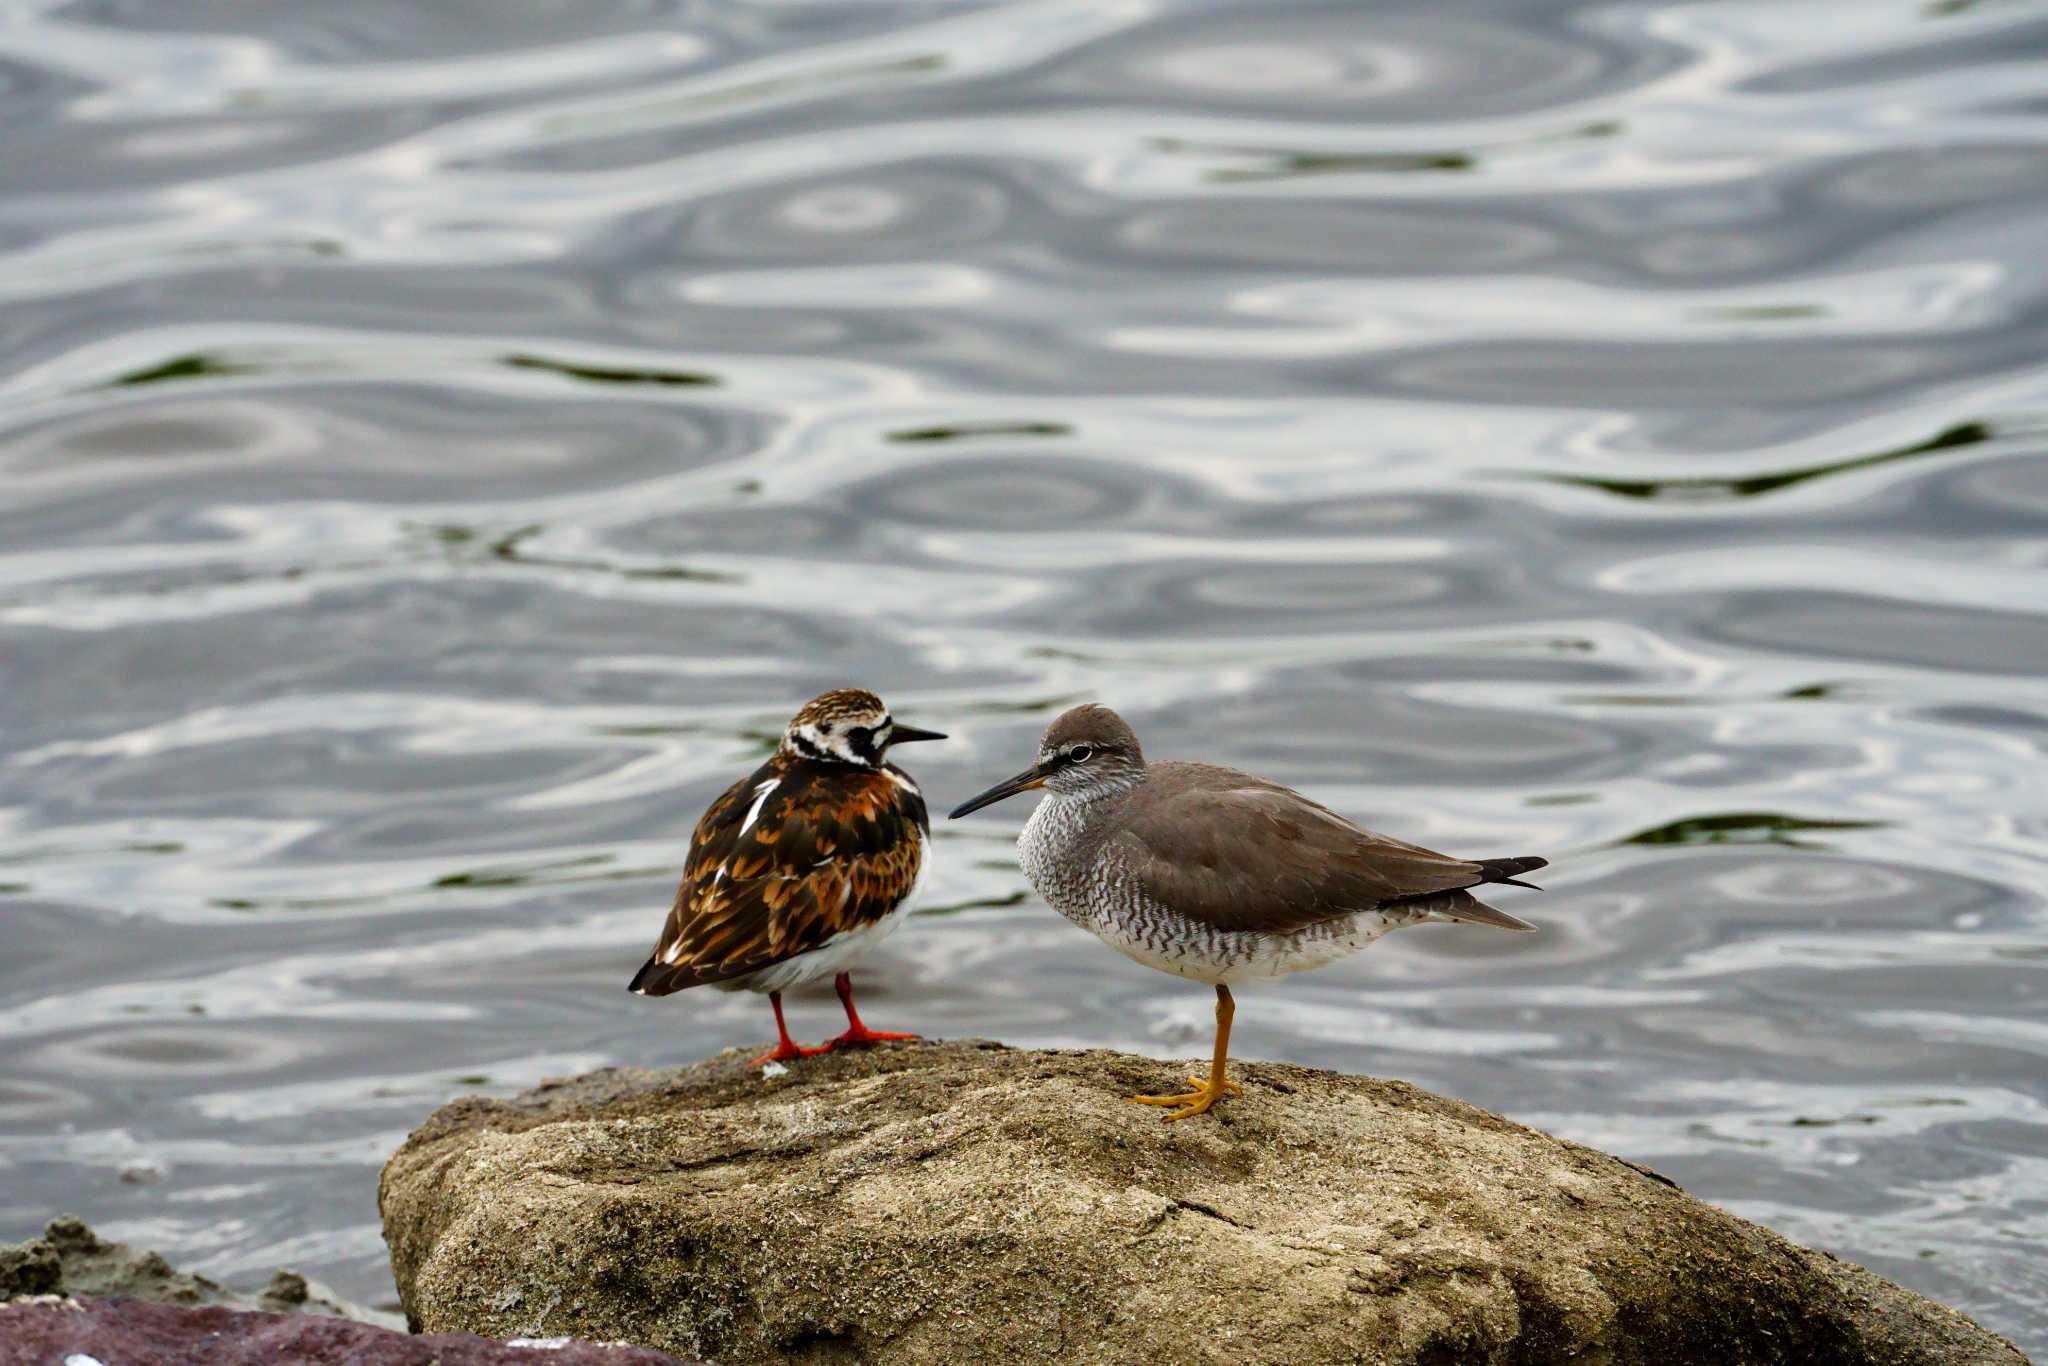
[(1218, 876), (798, 870)]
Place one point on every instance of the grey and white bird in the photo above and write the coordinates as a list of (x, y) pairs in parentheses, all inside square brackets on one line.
[(1219, 876)]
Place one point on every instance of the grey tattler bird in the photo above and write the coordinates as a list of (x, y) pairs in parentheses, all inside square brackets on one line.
[(1218, 876)]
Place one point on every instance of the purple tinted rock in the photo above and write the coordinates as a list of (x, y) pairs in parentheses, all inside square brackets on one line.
[(70, 1259), (36, 1332)]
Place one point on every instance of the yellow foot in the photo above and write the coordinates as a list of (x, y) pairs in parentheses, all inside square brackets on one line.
[(1195, 1102)]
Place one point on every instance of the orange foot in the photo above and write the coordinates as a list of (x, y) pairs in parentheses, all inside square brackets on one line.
[(788, 1051), (1196, 1102), (860, 1036)]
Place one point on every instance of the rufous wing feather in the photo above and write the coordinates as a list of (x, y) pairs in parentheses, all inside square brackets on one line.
[(784, 861)]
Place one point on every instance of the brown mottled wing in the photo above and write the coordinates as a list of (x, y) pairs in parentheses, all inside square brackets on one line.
[(832, 849), (1243, 854)]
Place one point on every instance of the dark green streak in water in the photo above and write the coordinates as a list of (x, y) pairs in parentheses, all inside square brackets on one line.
[(1809, 1122), (1282, 165), (1279, 163), (296, 903), (456, 538), (674, 572), (200, 365), (506, 547), (58, 851), (1741, 827), (1812, 692), (519, 877), (599, 374), (561, 872), (197, 365), (967, 432), (1707, 488), (544, 875)]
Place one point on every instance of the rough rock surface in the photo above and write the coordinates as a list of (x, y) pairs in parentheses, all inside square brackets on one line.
[(966, 1202), (70, 1259), (153, 1313), (51, 1329)]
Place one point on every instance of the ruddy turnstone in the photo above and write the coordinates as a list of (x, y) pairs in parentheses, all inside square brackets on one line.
[(1218, 876), (798, 870)]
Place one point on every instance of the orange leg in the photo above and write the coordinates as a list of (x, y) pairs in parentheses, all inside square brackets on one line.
[(1214, 1087), (857, 1035), (788, 1049)]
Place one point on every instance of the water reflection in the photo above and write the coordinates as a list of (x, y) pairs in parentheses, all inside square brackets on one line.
[(444, 440)]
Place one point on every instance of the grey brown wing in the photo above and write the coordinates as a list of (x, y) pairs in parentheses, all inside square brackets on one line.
[(1270, 861)]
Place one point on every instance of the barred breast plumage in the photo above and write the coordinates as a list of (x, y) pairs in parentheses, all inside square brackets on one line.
[(1220, 876)]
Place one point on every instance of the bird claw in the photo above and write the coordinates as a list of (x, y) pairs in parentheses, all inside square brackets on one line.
[(787, 1052), (863, 1037), (1193, 1103)]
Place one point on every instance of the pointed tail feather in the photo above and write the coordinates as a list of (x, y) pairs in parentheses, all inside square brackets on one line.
[(657, 978), (1507, 871)]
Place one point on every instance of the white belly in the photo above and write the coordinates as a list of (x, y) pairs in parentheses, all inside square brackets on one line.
[(1226, 958)]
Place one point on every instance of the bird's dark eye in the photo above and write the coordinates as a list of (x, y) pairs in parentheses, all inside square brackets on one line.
[(1081, 753)]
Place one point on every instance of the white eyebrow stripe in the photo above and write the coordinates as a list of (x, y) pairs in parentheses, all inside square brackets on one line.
[(761, 796)]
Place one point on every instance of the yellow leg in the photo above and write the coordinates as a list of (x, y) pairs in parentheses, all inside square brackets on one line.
[(1214, 1087)]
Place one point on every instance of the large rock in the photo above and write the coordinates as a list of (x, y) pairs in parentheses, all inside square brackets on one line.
[(967, 1202)]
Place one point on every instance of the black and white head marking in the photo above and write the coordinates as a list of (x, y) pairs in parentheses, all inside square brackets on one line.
[(842, 742), (846, 726)]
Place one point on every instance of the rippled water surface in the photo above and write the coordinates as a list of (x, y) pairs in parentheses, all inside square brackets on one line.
[(441, 443)]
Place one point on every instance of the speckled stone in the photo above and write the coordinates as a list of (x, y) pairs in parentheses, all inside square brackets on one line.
[(964, 1202)]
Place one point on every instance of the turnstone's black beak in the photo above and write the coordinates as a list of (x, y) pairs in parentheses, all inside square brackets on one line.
[(900, 734), (1030, 778)]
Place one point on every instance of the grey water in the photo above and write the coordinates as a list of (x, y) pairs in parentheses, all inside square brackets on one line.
[(439, 445)]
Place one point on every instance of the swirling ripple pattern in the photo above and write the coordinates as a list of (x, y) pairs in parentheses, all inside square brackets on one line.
[(441, 442)]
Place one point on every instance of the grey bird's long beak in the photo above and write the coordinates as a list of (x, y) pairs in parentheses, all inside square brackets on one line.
[(1030, 778), (900, 734)]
